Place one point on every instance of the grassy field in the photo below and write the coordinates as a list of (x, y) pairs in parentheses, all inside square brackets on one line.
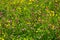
[(29, 19)]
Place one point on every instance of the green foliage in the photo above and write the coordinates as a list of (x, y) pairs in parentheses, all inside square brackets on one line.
[(29, 19)]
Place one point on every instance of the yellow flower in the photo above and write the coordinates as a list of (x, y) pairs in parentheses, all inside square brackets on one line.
[(52, 13), (56, 1), (8, 21), (0, 24), (28, 23), (30, 3), (53, 27), (13, 24), (21, 1), (7, 25), (14, 2), (48, 11), (1, 38), (31, 0)]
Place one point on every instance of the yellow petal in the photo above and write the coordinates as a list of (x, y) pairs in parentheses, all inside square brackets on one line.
[(2, 39), (52, 13), (0, 24), (53, 26), (31, 0)]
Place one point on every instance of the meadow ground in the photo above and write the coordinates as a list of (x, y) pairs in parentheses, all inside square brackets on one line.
[(29, 19)]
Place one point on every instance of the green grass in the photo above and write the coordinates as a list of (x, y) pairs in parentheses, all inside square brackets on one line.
[(29, 19)]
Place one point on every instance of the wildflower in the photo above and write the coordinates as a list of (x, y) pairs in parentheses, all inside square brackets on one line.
[(28, 23), (18, 9), (21, 1), (56, 1), (53, 27), (52, 13), (1, 38), (7, 25), (15, 2), (13, 24), (48, 11), (8, 21), (39, 19), (30, 3), (0, 24), (31, 0)]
